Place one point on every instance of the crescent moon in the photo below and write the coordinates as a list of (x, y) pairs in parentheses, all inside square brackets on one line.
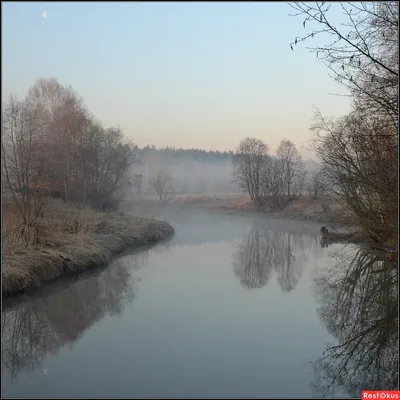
[(44, 14)]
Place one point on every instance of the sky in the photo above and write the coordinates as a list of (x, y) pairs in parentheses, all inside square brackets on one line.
[(190, 74)]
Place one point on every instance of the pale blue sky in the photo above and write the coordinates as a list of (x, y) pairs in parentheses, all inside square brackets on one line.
[(174, 74)]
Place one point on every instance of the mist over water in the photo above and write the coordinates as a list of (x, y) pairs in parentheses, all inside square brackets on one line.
[(227, 307), (192, 171), (189, 175)]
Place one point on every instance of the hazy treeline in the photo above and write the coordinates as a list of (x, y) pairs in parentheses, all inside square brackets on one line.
[(178, 154), (186, 170), (359, 151)]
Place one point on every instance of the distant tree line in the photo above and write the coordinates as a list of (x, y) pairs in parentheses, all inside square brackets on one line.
[(194, 171), (187, 154), (183, 171)]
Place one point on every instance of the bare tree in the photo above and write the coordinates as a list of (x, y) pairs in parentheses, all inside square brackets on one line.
[(113, 165), (316, 187), (21, 166), (48, 94), (300, 180), (291, 165), (162, 184), (268, 180), (361, 52), (274, 183), (249, 165), (69, 131), (86, 162), (360, 163), (360, 151)]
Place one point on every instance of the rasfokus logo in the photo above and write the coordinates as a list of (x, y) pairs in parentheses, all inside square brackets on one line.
[(380, 394)]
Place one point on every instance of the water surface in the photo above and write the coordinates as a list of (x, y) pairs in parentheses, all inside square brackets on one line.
[(230, 307)]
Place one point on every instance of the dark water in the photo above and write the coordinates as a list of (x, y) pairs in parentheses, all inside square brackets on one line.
[(230, 307)]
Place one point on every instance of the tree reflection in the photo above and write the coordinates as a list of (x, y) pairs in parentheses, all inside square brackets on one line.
[(359, 306), (265, 251), (39, 325)]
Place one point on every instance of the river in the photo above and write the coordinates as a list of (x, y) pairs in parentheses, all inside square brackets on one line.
[(231, 306)]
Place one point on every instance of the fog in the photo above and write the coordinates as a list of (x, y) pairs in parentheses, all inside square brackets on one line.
[(196, 225), (192, 171), (191, 176)]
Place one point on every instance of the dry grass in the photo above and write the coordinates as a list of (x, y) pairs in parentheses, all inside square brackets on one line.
[(230, 201), (68, 240), (304, 207)]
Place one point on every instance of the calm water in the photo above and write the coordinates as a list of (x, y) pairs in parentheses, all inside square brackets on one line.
[(231, 306)]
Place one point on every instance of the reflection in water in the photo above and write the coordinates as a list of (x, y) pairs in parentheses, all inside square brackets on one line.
[(359, 306), (40, 325), (264, 251)]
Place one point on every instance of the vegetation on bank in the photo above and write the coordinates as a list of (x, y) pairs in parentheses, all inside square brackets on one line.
[(302, 208), (52, 147), (68, 240), (359, 151), (357, 238)]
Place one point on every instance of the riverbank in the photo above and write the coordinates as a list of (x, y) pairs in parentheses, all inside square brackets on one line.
[(304, 208), (359, 239), (68, 240)]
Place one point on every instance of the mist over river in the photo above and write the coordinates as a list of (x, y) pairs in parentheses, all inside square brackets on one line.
[(231, 306)]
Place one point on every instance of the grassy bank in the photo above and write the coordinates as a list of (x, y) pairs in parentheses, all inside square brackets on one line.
[(68, 240)]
